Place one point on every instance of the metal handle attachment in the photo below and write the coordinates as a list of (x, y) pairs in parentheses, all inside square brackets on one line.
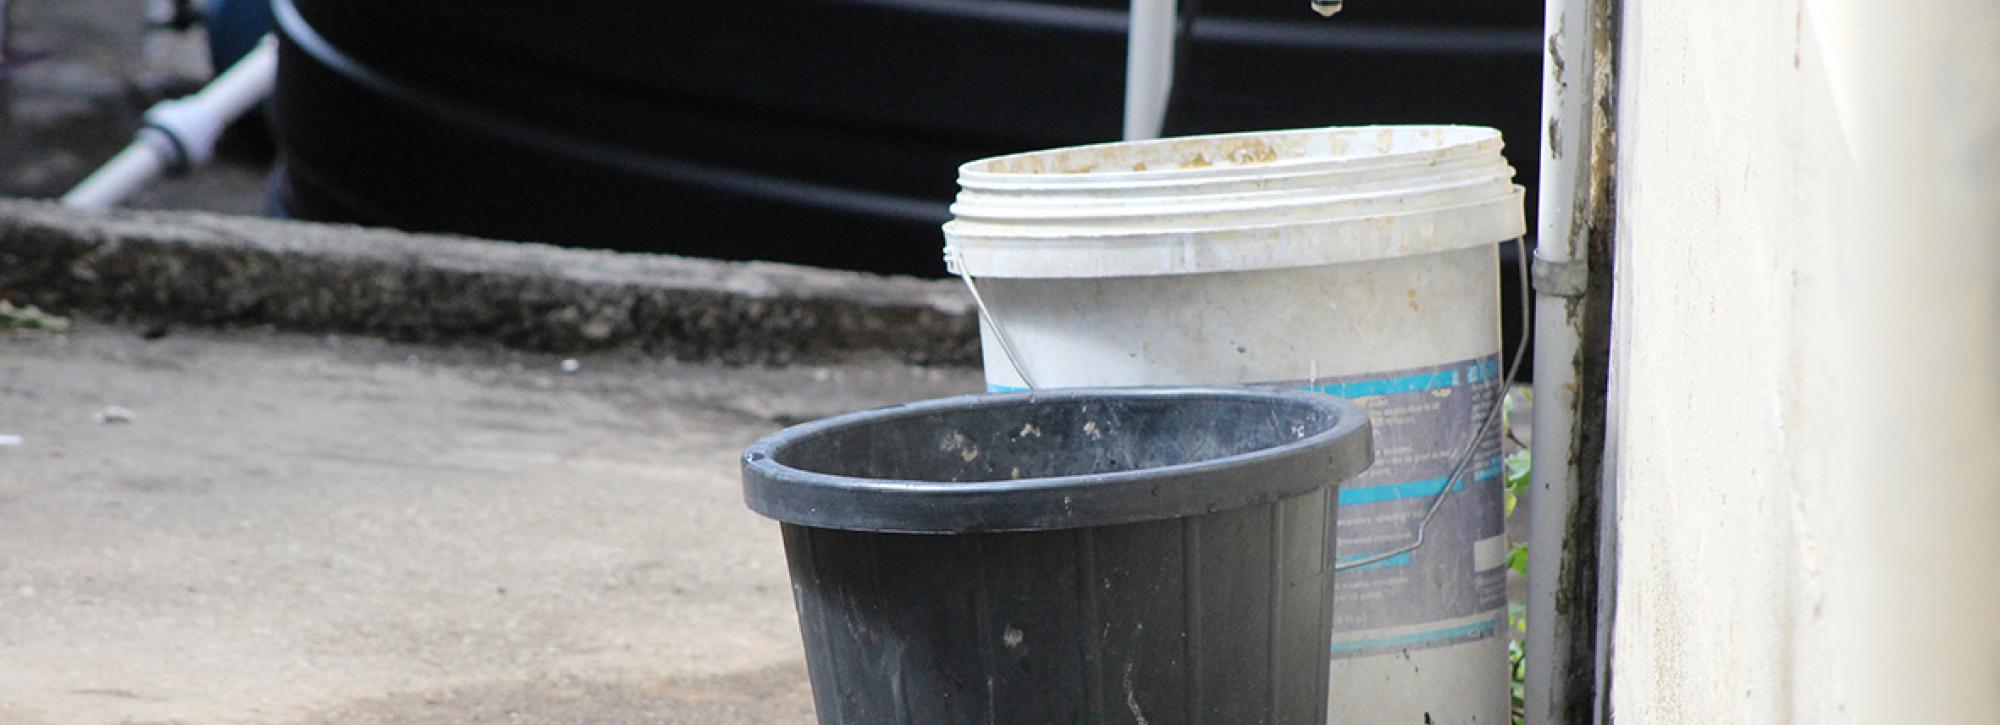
[(1478, 434), (999, 333)]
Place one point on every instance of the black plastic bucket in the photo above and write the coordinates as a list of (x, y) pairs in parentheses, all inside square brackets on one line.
[(1083, 556)]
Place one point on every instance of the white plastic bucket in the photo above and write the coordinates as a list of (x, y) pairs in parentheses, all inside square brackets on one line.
[(1358, 261)]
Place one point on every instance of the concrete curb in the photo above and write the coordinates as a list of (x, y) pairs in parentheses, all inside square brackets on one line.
[(215, 270)]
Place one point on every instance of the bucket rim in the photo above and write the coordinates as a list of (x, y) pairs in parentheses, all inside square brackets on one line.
[(1475, 140), (1256, 200), (822, 500)]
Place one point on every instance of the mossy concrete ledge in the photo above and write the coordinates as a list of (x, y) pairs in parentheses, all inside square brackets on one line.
[(223, 271)]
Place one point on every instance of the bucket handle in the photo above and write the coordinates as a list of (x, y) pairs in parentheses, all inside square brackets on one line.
[(999, 333), (1478, 434)]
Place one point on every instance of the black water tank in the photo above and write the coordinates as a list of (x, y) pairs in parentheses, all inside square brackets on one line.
[(824, 132)]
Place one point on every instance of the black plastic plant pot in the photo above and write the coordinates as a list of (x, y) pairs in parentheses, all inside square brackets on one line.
[(1082, 556)]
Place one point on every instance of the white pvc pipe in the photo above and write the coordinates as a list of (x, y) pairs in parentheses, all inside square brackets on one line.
[(181, 132), (138, 164), (1566, 207), (198, 120), (1149, 67)]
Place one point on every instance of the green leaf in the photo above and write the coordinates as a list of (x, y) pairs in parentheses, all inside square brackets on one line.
[(1517, 673), (1518, 465), (30, 318)]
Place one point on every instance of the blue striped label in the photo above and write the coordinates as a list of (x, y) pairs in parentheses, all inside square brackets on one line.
[(1450, 377), (1417, 640), (1413, 489), (1423, 420), (1402, 559)]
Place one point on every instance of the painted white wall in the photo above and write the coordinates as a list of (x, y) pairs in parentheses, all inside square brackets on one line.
[(1805, 404)]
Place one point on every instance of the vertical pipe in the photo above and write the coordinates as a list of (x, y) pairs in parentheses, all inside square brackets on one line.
[(1563, 503), (1149, 67)]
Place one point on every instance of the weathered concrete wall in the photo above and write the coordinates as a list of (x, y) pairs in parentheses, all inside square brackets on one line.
[(235, 271), (1806, 362)]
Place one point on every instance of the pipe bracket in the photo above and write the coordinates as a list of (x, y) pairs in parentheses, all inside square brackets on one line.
[(1568, 278)]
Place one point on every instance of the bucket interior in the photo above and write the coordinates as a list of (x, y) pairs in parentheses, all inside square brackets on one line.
[(1262, 149), (1022, 438)]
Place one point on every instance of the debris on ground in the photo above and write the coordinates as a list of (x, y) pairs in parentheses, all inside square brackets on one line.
[(113, 414), (8, 440), (29, 317)]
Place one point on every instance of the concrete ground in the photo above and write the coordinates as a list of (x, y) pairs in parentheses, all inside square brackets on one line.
[(297, 528)]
